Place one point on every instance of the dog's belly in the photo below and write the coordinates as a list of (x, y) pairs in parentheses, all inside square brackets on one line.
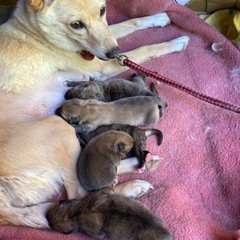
[(38, 101)]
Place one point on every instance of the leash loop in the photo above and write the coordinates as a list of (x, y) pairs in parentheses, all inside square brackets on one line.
[(124, 61)]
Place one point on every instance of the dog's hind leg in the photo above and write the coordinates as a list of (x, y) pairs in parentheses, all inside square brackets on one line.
[(135, 188), (122, 29), (32, 216)]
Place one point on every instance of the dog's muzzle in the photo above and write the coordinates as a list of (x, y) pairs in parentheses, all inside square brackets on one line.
[(113, 52)]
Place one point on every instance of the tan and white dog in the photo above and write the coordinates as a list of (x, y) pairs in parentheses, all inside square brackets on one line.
[(39, 51)]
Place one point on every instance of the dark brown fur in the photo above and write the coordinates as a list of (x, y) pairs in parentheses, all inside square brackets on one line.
[(97, 164), (103, 214), (109, 90), (139, 138)]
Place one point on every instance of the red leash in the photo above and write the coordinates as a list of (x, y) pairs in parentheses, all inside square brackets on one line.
[(124, 61)]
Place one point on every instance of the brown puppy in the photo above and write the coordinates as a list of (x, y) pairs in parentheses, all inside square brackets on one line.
[(91, 113), (109, 90), (97, 164), (139, 138), (102, 214)]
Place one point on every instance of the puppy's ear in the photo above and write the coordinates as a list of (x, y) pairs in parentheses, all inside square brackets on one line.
[(121, 146), (39, 4)]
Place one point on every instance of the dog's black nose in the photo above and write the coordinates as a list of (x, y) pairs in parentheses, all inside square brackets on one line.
[(113, 52)]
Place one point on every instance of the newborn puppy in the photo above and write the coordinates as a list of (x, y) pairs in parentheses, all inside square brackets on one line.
[(102, 214), (97, 164), (139, 138), (109, 90), (91, 113)]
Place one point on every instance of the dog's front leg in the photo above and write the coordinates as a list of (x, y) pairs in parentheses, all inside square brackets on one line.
[(122, 29), (145, 53), (142, 54)]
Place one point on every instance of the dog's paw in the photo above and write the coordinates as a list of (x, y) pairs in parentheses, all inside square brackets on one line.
[(160, 20), (152, 162), (134, 189), (180, 43)]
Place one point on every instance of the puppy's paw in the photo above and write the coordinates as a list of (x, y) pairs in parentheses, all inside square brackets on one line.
[(152, 162), (134, 189), (180, 43)]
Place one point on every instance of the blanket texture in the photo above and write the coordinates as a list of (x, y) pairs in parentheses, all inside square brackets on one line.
[(196, 186)]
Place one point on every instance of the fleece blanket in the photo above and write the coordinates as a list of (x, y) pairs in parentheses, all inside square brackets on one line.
[(196, 186)]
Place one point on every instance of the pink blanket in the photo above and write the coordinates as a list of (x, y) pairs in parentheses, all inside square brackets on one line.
[(196, 187)]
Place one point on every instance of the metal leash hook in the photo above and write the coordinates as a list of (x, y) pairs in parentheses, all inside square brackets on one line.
[(124, 61), (121, 58)]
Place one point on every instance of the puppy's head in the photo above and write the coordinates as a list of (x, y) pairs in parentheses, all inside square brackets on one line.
[(119, 142), (70, 111), (59, 220), (75, 25), (86, 90)]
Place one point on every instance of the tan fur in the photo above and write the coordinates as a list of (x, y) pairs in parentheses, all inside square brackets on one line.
[(91, 113), (38, 54), (37, 4), (139, 136), (98, 162)]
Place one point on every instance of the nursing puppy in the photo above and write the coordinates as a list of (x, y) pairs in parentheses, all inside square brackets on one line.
[(89, 114), (109, 90), (139, 138), (103, 214), (98, 162)]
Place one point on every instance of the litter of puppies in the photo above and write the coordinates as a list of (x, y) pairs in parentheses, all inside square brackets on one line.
[(106, 116)]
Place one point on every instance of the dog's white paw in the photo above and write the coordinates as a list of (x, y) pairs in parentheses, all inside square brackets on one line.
[(134, 189), (180, 43), (160, 20), (152, 162)]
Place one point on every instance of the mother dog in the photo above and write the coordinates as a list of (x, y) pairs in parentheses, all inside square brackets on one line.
[(40, 48)]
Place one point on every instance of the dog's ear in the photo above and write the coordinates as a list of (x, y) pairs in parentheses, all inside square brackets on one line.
[(39, 4)]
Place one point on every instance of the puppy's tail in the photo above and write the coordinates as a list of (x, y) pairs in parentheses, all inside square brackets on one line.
[(156, 132)]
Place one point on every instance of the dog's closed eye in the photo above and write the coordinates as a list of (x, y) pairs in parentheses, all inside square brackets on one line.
[(74, 120), (86, 85)]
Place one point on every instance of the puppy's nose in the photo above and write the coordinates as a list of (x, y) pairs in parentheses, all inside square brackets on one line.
[(113, 52)]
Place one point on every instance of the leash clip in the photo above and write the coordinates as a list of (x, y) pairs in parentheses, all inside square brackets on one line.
[(121, 58)]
